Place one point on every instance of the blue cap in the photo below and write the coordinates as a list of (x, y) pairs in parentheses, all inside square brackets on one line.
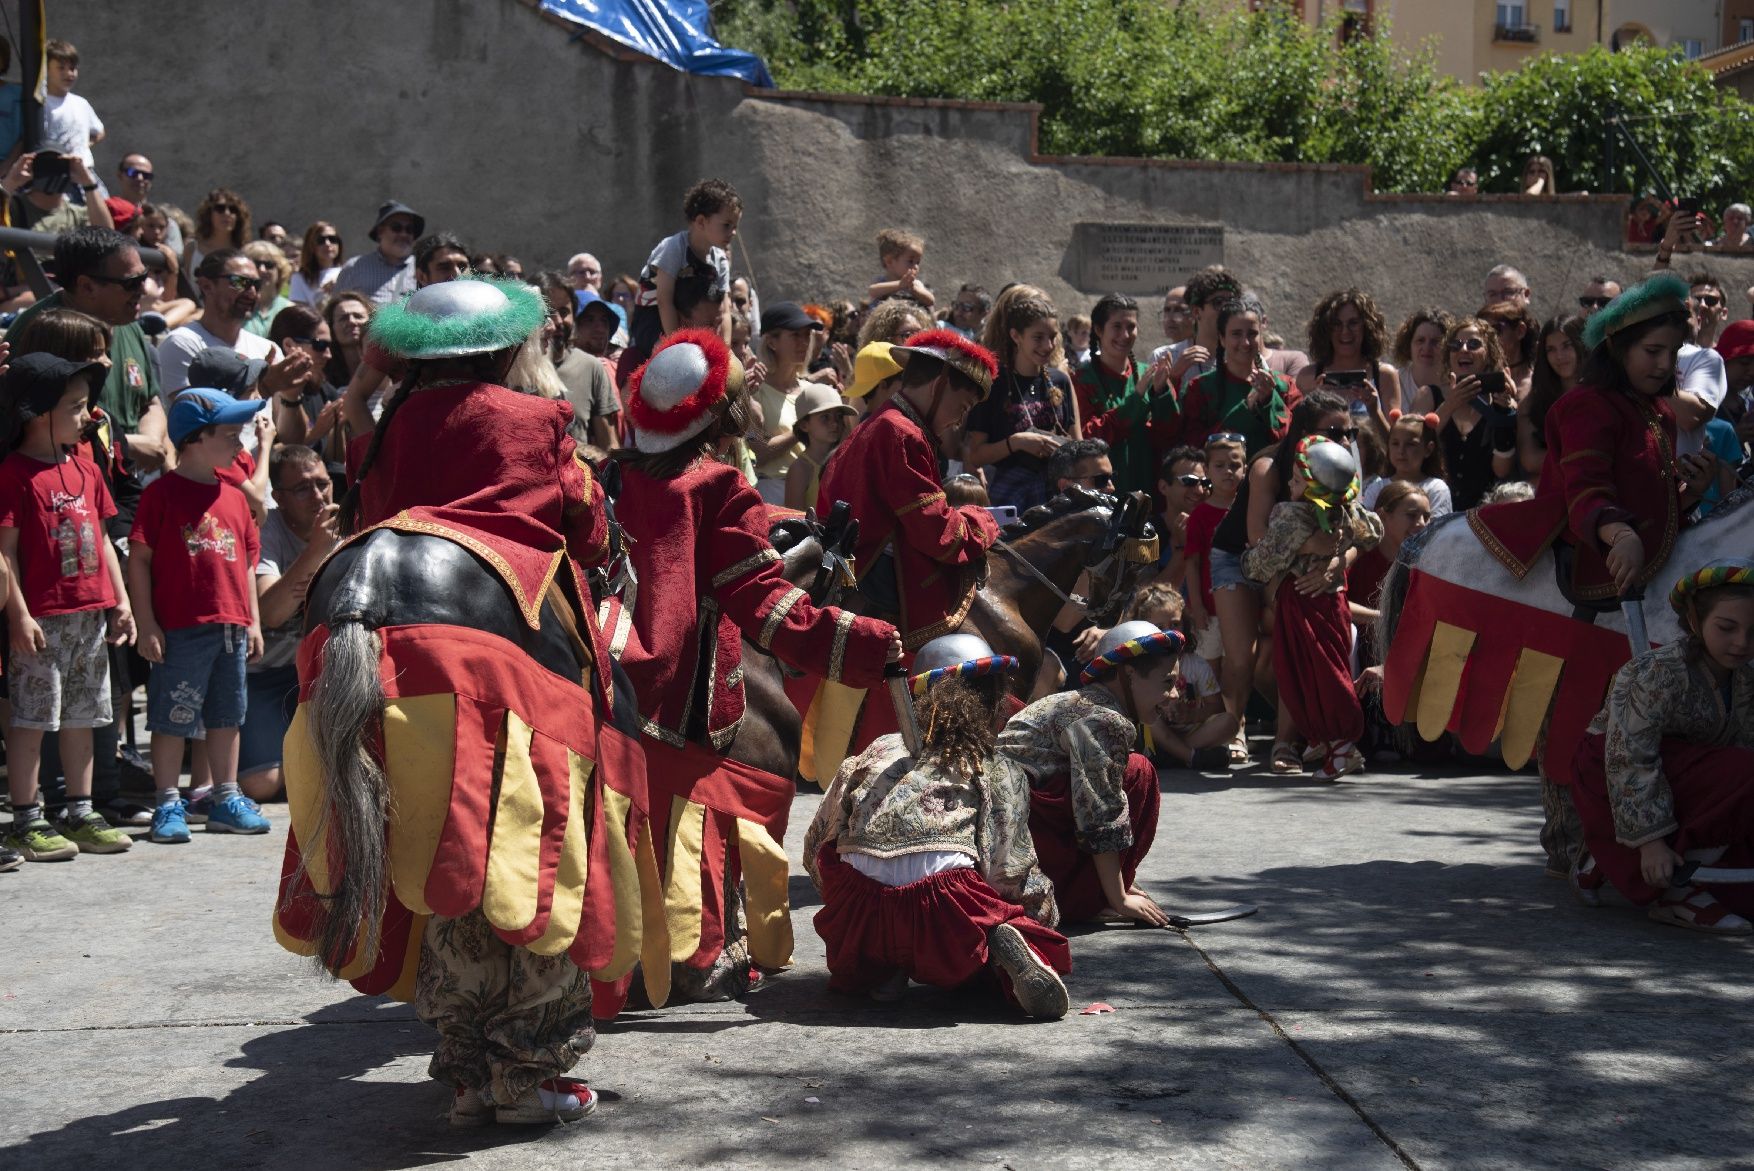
[(200, 407)]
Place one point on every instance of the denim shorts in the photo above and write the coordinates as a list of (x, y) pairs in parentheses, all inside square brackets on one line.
[(201, 681), (273, 697), (1227, 572)]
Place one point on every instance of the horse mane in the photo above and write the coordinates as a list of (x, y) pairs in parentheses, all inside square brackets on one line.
[(1073, 500)]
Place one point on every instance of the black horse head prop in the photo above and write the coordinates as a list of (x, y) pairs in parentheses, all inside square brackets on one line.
[(1128, 546)]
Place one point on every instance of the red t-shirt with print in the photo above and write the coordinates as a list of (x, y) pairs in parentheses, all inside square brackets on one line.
[(204, 547), (59, 511), (1202, 523)]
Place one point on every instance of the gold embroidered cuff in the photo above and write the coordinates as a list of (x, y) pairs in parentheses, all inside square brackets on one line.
[(776, 616)]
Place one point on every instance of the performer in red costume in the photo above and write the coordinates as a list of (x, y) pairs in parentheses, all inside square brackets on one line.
[(707, 578), (916, 554), (470, 825)]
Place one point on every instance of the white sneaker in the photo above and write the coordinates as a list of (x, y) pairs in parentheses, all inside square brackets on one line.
[(559, 1099)]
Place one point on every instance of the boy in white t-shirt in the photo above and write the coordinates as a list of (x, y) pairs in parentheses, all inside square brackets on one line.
[(70, 125)]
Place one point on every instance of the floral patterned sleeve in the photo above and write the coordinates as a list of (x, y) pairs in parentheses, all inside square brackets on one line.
[(1007, 852), (1366, 528), (1289, 525), (1640, 708), (837, 804), (1097, 748)]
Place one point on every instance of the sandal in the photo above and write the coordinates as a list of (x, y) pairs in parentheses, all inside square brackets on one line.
[(1343, 759), (1316, 753), (1696, 910), (1587, 882), (1239, 749), (1286, 761)]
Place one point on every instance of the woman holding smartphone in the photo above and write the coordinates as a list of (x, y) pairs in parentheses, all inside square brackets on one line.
[(1476, 415), (1347, 339)]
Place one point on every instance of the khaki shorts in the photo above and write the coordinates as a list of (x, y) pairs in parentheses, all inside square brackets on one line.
[(68, 684)]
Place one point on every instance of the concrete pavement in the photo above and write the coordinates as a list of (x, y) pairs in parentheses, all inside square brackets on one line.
[(1412, 993)]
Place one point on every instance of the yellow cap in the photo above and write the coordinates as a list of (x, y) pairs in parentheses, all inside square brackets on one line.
[(873, 364)]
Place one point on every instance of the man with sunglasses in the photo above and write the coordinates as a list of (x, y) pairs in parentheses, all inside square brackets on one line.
[(231, 288), (386, 273), (1597, 294), (134, 183), (101, 274), (1700, 380), (1082, 463)]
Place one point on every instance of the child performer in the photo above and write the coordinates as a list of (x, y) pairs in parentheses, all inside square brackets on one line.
[(823, 421), (1312, 643), (1416, 458), (1093, 799), (925, 864), (1662, 774), (1190, 728), (709, 578), (66, 598)]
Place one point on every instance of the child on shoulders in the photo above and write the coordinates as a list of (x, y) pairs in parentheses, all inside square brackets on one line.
[(900, 253), (696, 256)]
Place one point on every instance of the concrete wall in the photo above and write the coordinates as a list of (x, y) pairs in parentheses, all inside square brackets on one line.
[(501, 124)]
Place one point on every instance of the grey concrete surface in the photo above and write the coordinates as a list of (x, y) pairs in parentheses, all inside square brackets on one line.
[(503, 126), (1412, 993)]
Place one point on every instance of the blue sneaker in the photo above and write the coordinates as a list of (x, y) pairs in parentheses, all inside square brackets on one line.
[(169, 826), (236, 815)]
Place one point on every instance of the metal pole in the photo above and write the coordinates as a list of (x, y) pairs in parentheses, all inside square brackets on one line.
[(30, 56)]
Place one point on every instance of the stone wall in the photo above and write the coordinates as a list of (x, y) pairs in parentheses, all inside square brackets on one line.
[(513, 129)]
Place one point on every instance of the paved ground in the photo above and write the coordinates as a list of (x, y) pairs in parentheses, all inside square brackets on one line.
[(1413, 994)]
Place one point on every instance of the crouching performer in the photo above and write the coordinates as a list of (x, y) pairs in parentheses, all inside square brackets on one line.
[(707, 579), (925, 863), (1093, 796), (468, 826), (1663, 779)]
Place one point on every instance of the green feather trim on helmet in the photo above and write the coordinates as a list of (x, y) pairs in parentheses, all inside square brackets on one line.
[(470, 315), (1663, 293)]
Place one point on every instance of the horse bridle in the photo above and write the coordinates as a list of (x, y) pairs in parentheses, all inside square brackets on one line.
[(1119, 550)]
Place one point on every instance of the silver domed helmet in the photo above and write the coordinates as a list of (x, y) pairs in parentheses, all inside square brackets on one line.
[(470, 315), (956, 656), (1128, 641), (1331, 464)]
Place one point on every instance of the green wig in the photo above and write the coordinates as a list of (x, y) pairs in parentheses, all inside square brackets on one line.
[(470, 315), (1663, 293)]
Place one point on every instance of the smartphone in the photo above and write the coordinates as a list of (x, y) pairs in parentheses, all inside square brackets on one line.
[(49, 164), (1493, 382), (1688, 205), (1346, 379), (1005, 514)]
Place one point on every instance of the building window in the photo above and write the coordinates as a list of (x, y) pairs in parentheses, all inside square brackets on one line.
[(1513, 24), (1561, 16), (1744, 31), (1692, 48)]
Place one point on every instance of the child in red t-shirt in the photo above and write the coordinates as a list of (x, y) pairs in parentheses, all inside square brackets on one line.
[(65, 598), (1226, 463), (191, 571)]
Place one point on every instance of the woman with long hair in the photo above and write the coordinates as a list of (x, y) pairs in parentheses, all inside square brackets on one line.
[(1029, 414), (1239, 395), (1419, 349), (319, 259), (221, 221), (1130, 406), (1558, 364), (1347, 340), (1518, 329), (1475, 407)]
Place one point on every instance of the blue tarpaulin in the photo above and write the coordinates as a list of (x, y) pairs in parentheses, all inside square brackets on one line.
[(673, 31)]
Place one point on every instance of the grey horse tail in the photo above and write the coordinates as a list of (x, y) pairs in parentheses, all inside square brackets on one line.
[(348, 701)]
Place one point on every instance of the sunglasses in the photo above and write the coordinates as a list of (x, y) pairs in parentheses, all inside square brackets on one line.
[(400, 227), (1593, 302), (137, 173), (1469, 344), (1191, 481), (1340, 433), (1099, 480), (329, 238), (225, 207), (243, 283), (313, 343), (964, 307), (1227, 437), (1709, 300), (132, 284)]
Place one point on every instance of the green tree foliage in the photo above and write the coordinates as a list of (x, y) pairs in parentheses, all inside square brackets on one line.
[(1203, 80)]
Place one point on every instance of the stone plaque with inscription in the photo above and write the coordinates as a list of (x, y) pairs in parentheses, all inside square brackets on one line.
[(1142, 258)]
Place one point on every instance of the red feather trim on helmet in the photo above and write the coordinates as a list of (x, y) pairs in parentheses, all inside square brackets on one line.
[(949, 339), (711, 391)]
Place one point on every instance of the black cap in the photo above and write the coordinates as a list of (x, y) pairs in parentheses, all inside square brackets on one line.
[(390, 208), (34, 383), (225, 369), (787, 315)]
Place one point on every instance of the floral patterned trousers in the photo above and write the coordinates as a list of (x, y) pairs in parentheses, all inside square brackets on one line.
[(507, 1018)]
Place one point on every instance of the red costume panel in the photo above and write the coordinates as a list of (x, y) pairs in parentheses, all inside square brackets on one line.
[(1610, 458), (887, 470), (1714, 806), (934, 930), (494, 470), (708, 575), (1055, 829)]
